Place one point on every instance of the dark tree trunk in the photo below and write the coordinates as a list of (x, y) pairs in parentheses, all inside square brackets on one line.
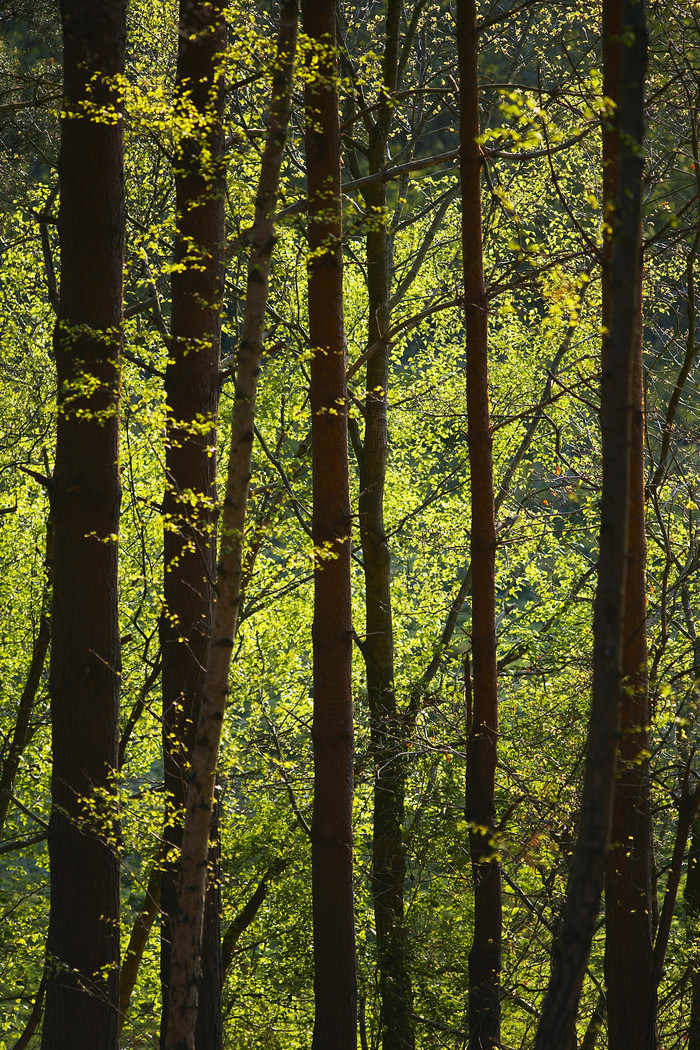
[(485, 954), (387, 726), (623, 274), (335, 982), (629, 960), (83, 938), (192, 393), (186, 946)]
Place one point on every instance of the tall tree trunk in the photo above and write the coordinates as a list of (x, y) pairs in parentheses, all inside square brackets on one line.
[(186, 943), (485, 954), (624, 264), (630, 971), (192, 394), (629, 959), (83, 937), (387, 725), (335, 981)]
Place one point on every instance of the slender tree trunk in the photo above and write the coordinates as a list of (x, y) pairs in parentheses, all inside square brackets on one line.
[(138, 940), (192, 394), (187, 928), (387, 726), (591, 853), (629, 961), (83, 938), (23, 730), (335, 981), (485, 954)]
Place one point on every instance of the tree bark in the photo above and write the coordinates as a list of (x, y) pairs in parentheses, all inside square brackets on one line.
[(192, 395), (590, 858), (629, 962), (388, 732), (485, 954), (83, 937), (335, 981), (187, 929)]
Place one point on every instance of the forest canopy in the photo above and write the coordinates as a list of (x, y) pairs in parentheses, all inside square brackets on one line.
[(349, 496)]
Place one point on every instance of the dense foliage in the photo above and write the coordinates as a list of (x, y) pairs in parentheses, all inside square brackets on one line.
[(542, 109)]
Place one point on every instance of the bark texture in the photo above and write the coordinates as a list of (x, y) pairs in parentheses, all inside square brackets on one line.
[(588, 869), (629, 962), (335, 982), (388, 727), (187, 930), (485, 954), (192, 394), (83, 938)]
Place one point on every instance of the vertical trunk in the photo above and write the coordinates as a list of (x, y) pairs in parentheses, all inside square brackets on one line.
[(192, 388), (335, 985), (623, 276), (629, 961), (485, 954), (186, 943), (83, 937), (387, 729)]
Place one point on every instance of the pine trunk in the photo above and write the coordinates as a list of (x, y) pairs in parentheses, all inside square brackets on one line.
[(83, 938), (485, 954), (335, 982)]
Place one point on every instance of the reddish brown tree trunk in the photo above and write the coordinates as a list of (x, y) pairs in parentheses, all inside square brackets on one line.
[(192, 393), (590, 860), (485, 954), (335, 984), (187, 929), (629, 962), (83, 938)]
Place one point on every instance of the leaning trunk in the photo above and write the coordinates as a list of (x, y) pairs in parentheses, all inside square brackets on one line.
[(186, 944), (623, 266), (485, 954), (83, 938)]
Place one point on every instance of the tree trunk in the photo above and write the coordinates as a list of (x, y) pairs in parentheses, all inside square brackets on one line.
[(192, 394), (591, 853), (187, 929), (335, 982), (387, 726), (83, 937), (485, 954), (629, 961)]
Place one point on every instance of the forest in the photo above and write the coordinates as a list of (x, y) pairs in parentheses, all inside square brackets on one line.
[(349, 525)]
